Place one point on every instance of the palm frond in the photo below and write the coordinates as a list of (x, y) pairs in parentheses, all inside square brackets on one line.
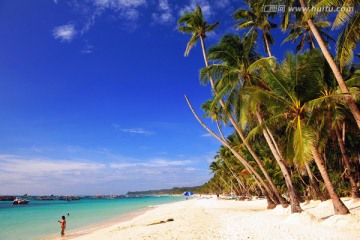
[(348, 40)]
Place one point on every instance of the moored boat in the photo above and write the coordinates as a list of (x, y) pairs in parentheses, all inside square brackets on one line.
[(20, 201)]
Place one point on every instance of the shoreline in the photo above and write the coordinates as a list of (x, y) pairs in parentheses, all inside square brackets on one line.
[(228, 219), (89, 229)]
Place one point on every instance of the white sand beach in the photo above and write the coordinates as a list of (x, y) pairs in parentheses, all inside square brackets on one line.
[(228, 219)]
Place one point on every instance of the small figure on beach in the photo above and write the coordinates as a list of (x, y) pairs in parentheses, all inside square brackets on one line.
[(62, 225)]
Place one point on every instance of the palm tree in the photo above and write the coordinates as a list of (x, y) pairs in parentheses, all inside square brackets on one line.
[(234, 72), (350, 35), (256, 19), (350, 100), (301, 30), (195, 24), (348, 40), (330, 106), (293, 86), (266, 191)]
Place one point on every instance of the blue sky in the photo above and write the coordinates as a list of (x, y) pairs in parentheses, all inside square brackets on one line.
[(92, 96)]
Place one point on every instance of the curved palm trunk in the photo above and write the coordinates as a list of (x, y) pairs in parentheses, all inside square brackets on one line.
[(272, 198), (294, 200), (354, 189), (314, 184), (267, 45), (241, 185), (274, 191), (350, 100), (339, 206)]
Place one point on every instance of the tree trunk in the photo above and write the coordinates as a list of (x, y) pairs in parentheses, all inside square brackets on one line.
[(241, 185), (355, 193), (350, 100), (236, 154), (314, 184), (267, 45), (339, 206), (294, 200)]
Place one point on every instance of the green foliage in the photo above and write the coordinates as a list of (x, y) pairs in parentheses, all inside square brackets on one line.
[(298, 97)]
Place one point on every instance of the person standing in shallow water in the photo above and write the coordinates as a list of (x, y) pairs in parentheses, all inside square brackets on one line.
[(62, 225)]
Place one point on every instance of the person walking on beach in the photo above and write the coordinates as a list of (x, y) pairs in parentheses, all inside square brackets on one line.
[(62, 225)]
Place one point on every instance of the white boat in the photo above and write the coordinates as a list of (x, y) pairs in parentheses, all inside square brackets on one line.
[(20, 201)]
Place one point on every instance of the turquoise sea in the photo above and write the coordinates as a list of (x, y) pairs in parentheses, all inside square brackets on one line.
[(38, 219)]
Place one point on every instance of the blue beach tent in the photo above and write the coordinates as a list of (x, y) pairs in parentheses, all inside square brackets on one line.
[(188, 194)]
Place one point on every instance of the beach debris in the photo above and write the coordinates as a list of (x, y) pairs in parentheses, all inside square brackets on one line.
[(169, 220)]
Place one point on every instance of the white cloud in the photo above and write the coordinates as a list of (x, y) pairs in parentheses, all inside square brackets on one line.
[(130, 14), (222, 4), (117, 4), (20, 165), (166, 163), (156, 163), (87, 49), (133, 130), (205, 8), (164, 16), (206, 135), (65, 32), (41, 175)]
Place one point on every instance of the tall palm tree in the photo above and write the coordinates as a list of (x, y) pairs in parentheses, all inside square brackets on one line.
[(330, 106), (350, 100), (292, 88), (255, 19), (195, 24), (235, 72)]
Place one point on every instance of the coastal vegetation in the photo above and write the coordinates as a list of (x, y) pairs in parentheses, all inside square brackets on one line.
[(294, 117), (172, 191)]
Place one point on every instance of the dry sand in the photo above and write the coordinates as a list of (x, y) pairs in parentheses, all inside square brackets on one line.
[(232, 220)]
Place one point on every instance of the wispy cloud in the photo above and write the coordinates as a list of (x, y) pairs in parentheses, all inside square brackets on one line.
[(65, 33), (164, 16), (126, 9), (137, 131), (141, 131), (206, 135), (117, 4), (88, 49), (39, 175), (205, 7)]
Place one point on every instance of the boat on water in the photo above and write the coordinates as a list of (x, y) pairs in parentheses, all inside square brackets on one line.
[(20, 201)]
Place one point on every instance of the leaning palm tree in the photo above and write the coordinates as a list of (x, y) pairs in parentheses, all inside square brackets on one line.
[(308, 17), (293, 86), (195, 24), (265, 190), (330, 106), (335, 69), (234, 72)]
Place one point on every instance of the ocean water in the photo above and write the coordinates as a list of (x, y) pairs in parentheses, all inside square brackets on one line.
[(38, 219)]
